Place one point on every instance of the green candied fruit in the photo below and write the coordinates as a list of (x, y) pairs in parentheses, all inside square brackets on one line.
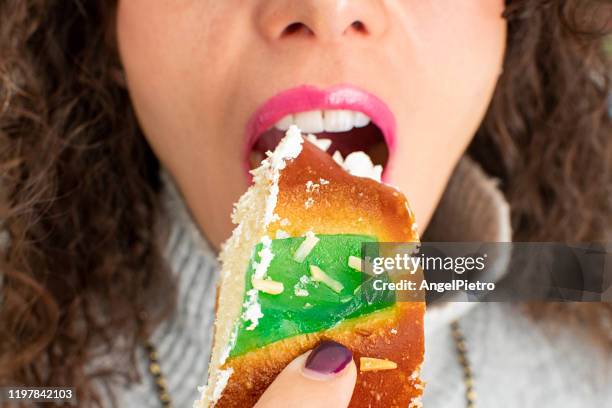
[(306, 306)]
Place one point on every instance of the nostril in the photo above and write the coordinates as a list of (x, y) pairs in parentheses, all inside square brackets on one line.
[(358, 27), (297, 28)]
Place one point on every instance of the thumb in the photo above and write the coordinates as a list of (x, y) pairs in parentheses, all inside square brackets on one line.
[(324, 377)]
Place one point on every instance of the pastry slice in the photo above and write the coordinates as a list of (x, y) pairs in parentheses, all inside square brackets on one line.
[(291, 277)]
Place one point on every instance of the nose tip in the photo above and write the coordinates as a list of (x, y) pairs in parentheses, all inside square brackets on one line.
[(324, 20)]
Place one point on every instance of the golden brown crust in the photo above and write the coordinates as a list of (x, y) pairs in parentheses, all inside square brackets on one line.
[(337, 202), (394, 333)]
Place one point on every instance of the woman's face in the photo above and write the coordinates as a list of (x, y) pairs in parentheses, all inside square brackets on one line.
[(209, 78)]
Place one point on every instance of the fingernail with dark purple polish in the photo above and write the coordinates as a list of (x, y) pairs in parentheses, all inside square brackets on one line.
[(328, 357)]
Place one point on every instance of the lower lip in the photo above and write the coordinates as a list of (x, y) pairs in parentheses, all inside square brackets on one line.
[(306, 98)]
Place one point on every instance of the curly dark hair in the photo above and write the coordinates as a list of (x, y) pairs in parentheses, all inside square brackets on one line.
[(81, 261), (81, 265)]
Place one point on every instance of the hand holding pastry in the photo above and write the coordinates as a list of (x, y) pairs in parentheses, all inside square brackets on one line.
[(321, 378)]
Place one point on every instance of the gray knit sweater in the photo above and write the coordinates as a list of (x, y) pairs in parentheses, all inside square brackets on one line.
[(516, 360)]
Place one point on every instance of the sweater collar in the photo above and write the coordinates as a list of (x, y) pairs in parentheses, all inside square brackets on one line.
[(472, 209)]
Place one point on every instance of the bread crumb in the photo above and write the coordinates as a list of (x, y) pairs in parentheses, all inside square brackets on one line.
[(416, 403), (300, 292), (281, 234), (312, 187)]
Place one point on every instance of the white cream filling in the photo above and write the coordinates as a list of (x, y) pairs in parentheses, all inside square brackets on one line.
[(253, 213)]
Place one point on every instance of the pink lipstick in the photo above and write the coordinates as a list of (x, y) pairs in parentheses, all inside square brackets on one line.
[(309, 102)]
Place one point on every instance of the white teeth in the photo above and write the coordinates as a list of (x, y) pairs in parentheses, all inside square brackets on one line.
[(338, 120), (284, 123), (360, 120), (317, 121), (310, 122)]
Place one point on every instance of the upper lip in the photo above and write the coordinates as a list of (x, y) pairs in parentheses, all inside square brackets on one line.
[(306, 98)]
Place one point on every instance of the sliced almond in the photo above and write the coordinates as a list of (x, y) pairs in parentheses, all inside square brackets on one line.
[(375, 364), (355, 263), (268, 286), (306, 247), (319, 276)]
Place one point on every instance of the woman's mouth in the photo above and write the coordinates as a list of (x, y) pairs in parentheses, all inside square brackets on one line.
[(346, 118)]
